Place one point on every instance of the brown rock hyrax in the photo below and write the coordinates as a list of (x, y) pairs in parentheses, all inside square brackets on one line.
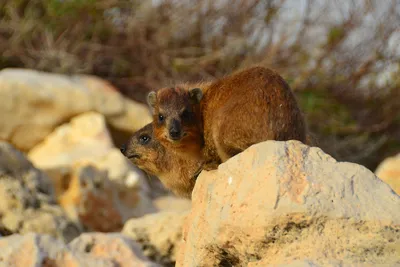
[(175, 172), (221, 119)]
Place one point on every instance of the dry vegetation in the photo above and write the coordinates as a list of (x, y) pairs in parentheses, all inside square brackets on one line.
[(339, 56)]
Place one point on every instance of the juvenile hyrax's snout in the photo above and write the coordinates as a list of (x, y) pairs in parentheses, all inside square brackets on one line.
[(123, 149), (129, 152), (175, 130)]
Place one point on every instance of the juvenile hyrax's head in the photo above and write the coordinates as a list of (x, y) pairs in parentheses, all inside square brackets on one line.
[(145, 151), (175, 114)]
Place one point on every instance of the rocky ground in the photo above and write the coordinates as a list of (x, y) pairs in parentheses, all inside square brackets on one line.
[(69, 198)]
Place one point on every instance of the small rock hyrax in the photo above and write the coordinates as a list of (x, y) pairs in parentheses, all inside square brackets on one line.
[(217, 120), (175, 172)]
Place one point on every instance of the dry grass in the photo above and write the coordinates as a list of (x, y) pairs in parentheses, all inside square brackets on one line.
[(339, 56)]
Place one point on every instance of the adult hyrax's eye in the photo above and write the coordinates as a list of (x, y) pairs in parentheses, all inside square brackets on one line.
[(160, 118), (144, 139)]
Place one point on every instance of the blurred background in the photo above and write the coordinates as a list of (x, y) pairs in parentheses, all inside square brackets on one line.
[(342, 58), (74, 75)]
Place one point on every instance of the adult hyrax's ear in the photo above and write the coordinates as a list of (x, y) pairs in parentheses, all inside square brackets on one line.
[(151, 100), (196, 94)]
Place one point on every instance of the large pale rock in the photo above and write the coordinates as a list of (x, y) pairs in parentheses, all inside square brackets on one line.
[(281, 202), (34, 103), (389, 172), (98, 250), (159, 235), (27, 201), (84, 137), (91, 176), (86, 140)]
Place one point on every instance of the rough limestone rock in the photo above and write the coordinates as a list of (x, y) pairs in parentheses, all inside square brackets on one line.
[(34, 103), (389, 172), (48, 219), (116, 247), (15, 170), (172, 203), (28, 250), (159, 235), (101, 204), (86, 139), (281, 202), (27, 201), (109, 181), (98, 250)]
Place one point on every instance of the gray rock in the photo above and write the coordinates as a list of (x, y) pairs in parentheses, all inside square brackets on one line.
[(100, 250), (27, 201), (158, 234)]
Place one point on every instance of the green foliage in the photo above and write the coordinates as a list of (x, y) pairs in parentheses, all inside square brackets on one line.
[(59, 8), (335, 34), (322, 107)]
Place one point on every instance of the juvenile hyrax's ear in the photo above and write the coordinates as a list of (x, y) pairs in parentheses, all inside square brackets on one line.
[(151, 100), (196, 94)]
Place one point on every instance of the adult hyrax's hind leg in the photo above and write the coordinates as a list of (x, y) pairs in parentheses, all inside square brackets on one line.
[(229, 142), (242, 129), (226, 151), (236, 129)]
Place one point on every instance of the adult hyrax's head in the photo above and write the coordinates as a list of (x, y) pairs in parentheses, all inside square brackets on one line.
[(145, 151), (174, 114)]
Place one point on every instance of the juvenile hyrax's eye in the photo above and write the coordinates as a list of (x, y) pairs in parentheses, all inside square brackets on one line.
[(160, 118), (144, 139)]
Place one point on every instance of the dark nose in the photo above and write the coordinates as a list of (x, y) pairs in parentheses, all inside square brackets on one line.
[(123, 149), (174, 133), (175, 130)]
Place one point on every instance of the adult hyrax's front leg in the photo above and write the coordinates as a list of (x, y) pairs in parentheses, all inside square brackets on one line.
[(211, 158)]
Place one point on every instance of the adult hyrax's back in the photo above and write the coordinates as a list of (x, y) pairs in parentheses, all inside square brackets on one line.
[(246, 108)]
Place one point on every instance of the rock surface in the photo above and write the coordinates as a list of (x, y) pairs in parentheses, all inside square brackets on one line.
[(100, 250), (281, 202), (86, 139), (389, 172), (172, 203), (159, 235), (93, 180), (27, 199), (34, 103), (115, 247), (99, 203)]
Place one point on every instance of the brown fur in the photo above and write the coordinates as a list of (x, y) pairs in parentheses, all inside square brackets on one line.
[(235, 112), (175, 172), (172, 102)]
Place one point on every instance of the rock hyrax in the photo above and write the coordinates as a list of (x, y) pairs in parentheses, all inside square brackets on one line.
[(177, 173), (218, 120)]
